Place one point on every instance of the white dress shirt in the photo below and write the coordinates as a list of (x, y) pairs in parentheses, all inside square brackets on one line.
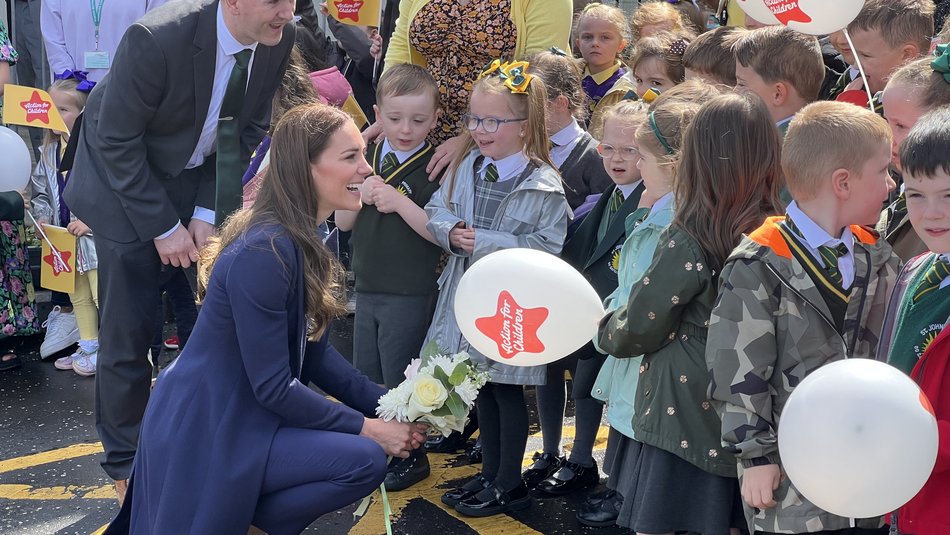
[(68, 30), (508, 167), (564, 142), (946, 280), (627, 189), (401, 155), (815, 236)]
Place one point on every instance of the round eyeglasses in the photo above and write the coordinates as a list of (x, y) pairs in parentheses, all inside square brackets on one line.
[(626, 153), (489, 124)]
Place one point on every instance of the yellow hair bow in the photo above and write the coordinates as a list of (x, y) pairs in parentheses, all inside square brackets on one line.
[(514, 75)]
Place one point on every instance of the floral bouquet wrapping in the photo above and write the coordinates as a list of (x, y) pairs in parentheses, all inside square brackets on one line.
[(439, 390)]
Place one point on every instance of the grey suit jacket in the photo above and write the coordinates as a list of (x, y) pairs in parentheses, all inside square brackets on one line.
[(142, 122)]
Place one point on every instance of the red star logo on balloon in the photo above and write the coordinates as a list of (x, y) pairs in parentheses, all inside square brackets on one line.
[(349, 9), (58, 267), (514, 328), (787, 11), (36, 108)]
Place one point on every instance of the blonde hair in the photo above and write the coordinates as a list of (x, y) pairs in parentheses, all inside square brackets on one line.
[(611, 14), (826, 136), (780, 54), (651, 13), (928, 86), (899, 22), (667, 47), (633, 112), (562, 77), (711, 54), (530, 104), (68, 86)]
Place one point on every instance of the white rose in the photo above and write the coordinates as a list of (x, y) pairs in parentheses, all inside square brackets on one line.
[(428, 394)]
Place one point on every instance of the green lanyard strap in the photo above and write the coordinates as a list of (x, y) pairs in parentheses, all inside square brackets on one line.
[(96, 16)]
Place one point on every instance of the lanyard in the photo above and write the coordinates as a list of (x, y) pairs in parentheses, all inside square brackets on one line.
[(96, 16)]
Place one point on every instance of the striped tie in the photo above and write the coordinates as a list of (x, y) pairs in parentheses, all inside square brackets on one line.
[(830, 256), (934, 276), (616, 200), (388, 165), (491, 173)]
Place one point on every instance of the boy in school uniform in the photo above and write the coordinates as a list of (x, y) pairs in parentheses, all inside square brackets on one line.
[(801, 291), (916, 337), (395, 259)]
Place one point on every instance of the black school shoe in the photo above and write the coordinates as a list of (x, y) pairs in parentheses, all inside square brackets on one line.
[(604, 513), (474, 452), (469, 489), (498, 503), (404, 473), (543, 465), (571, 477)]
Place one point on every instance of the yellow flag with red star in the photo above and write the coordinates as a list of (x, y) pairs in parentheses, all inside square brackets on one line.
[(58, 269), (355, 12), (29, 106)]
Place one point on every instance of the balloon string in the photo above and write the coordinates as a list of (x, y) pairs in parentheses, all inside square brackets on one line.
[(857, 59)]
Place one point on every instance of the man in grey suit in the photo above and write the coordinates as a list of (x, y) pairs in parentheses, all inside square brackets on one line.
[(165, 139)]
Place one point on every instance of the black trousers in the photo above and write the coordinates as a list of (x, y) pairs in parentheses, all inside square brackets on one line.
[(130, 275)]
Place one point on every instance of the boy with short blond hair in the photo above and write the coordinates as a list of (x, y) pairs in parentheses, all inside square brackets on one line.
[(783, 67), (803, 290), (709, 57)]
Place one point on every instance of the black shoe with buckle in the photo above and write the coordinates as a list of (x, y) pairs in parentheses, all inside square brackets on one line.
[(405, 473), (571, 477), (497, 502), (604, 513), (474, 452), (469, 489), (543, 465)]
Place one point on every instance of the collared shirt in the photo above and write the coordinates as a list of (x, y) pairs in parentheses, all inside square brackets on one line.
[(207, 141), (564, 142), (814, 236), (662, 202), (783, 124), (508, 167), (402, 156), (627, 189), (946, 281), (603, 75)]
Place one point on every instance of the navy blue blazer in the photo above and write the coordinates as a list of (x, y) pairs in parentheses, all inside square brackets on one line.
[(213, 414)]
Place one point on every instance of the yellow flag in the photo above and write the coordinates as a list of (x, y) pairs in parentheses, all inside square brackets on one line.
[(58, 272), (354, 110), (29, 106), (356, 12)]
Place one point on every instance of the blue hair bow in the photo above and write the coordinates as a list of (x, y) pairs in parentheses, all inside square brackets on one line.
[(82, 83)]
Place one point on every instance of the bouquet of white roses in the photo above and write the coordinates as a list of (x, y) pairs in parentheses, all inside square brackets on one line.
[(439, 390)]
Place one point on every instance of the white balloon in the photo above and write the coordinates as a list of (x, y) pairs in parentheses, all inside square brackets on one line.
[(814, 17), (15, 155), (858, 438), (524, 307)]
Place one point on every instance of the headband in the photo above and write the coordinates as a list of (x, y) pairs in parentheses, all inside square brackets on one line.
[(659, 135), (941, 62), (82, 83), (514, 74), (557, 51)]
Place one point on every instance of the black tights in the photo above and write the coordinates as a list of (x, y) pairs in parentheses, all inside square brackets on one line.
[(503, 427)]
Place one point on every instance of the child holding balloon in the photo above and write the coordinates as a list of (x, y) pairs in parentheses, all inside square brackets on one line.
[(799, 292), (916, 337), (69, 92), (685, 480), (502, 191)]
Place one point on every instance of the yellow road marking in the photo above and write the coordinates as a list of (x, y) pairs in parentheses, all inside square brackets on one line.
[(600, 442), (14, 491), (52, 456)]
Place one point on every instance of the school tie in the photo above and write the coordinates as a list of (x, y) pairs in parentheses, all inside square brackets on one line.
[(388, 165), (616, 201), (491, 173), (830, 256), (228, 171), (934, 276), (551, 145), (896, 213)]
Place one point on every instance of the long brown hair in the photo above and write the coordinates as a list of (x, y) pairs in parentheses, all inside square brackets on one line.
[(288, 198), (729, 176)]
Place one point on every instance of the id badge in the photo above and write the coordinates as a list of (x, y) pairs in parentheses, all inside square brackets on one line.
[(96, 60)]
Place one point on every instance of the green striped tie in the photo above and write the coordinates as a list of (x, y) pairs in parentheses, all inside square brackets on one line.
[(228, 172), (491, 173), (934, 276), (388, 165), (830, 256), (616, 201)]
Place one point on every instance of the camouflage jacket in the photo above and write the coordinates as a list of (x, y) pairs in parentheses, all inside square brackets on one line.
[(769, 329)]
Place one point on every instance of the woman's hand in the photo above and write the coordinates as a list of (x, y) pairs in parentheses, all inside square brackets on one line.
[(78, 228), (373, 133), (442, 157), (396, 438), (376, 45)]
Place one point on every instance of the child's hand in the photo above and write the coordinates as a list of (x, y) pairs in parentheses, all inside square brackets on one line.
[(387, 199), (367, 193), (759, 483), (78, 228), (376, 45), (462, 238)]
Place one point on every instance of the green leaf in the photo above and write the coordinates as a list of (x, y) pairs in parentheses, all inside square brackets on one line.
[(458, 374), (430, 350), (441, 376), (456, 405), (444, 410)]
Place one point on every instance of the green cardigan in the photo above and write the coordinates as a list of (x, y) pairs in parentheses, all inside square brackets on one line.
[(665, 320)]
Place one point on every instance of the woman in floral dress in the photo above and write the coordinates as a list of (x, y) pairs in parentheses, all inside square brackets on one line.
[(17, 307)]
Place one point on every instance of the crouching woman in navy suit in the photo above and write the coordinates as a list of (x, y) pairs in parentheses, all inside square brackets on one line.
[(233, 441)]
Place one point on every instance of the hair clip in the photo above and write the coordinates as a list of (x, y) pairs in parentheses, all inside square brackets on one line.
[(941, 62), (557, 51), (82, 83), (659, 135), (678, 47), (514, 75)]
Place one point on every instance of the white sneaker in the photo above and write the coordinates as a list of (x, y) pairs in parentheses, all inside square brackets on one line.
[(64, 363), (61, 332), (85, 363)]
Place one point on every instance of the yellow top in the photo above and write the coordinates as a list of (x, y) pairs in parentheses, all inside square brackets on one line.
[(736, 15), (603, 75), (540, 24)]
